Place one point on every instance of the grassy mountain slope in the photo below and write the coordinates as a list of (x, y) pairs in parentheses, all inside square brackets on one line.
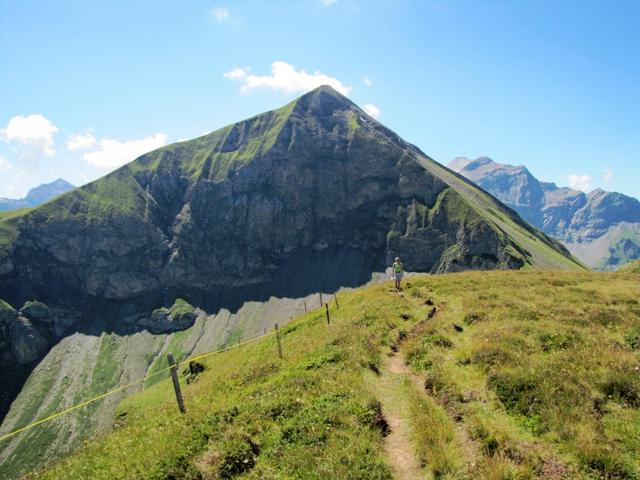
[(619, 245), (311, 197), (631, 267), (517, 375), (89, 363)]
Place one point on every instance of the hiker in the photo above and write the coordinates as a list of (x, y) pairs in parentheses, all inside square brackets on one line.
[(398, 270)]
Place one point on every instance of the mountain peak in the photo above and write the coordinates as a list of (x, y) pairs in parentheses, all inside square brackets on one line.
[(324, 100), (47, 191), (326, 89), (37, 195)]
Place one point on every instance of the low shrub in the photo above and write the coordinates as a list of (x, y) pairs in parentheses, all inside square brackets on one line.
[(623, 387)]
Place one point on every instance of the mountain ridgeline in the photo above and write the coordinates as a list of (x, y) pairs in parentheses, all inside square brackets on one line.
[(311, 197), (37, 196), (601, 228)]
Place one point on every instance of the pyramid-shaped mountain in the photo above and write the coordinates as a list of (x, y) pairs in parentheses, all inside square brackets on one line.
[(315, 189), (308, 198)]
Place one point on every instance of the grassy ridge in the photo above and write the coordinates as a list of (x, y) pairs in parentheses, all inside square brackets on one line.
[(538, 380), (631, 267), (541, 369), (310, 415)]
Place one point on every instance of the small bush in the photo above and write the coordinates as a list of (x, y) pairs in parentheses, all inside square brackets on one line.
[(632, 339), (418, 358), (527, 314), (194, 369), (623, 388), (516, 391), (373, 417), (601, 458), (330, 354), (604, 316), (437, 340), (235, 456), (492, 356), (280, 408), (551, 341), (474, 317)]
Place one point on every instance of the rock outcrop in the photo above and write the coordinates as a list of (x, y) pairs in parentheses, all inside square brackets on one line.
[(20, 341)]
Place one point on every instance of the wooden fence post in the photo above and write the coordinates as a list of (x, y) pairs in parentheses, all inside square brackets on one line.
[(335, 297), (278, 341), (176, 383), (326, 307), (321, 302), (305, 307)]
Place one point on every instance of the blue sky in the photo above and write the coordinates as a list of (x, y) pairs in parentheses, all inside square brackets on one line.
[(85, 86)]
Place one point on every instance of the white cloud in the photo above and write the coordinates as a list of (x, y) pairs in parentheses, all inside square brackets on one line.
[(580, 182), (34, 134), (113, 153), (5, 166), (372, 110), (81, 141), (285, 78), (367, 81), (608, 176), (220, 14), (328, 3)]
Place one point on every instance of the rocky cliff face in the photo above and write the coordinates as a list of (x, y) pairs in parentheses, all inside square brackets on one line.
[(245, 208), (601, 228), (311, 197)]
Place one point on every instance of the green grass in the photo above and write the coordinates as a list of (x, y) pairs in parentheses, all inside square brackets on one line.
[(544, 371), (175, 347), (308, 416), (631, 267), (108, 368), (6, 309), (352, 121), (180, 308), (218, 154), (540, 379), (8, 229)]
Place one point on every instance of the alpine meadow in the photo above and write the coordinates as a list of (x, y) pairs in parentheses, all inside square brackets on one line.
[(309, 292)]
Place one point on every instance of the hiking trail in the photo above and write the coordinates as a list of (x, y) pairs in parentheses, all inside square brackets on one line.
[(390, 386)]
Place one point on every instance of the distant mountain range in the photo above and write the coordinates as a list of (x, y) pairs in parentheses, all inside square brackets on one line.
[(37, 196), (600, 228)]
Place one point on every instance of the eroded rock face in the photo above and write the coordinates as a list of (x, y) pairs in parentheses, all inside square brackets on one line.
[(27, 343), (37, 311), (20, 341), (332, 178)]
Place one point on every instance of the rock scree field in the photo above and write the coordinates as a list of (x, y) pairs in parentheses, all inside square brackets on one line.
[(493, 375)]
